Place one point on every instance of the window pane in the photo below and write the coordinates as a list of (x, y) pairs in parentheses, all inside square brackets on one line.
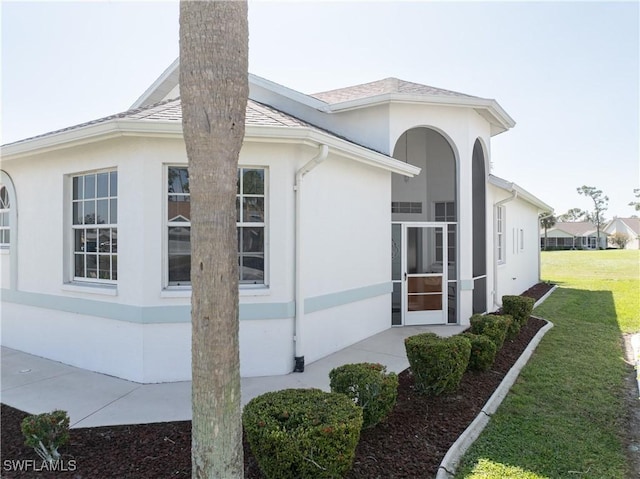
[(238, 218), (90, 186), (251, 268), (251, 240), (114, 267), (253, 182), (104, 266), (4, 219), (77, 213), (89, 212), (92, 265), (178, 180), (79, 265), (440, 211), (253, 210), (179, 208), (113, 211), (114, 240), (78, 241), (113, 183), (179, 254), (103, 185), (91, 240), (77, 187), (104, 240), (103, 212)]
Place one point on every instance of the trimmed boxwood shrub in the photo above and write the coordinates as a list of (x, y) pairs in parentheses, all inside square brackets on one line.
[(483, 352), (369, 386), (493, 326), (520, 307), (437, 363), (302, 433)]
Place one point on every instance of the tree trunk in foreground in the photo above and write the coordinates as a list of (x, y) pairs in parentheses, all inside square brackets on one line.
[(214, 90)]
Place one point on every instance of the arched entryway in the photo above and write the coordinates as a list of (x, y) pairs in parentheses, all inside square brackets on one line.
[(424, 231), (479, 196)]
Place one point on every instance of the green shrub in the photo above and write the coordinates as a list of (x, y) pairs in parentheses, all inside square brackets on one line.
[(437, 363), (483, 352), (45, 433), (369, 386), (520, 307), (302, 433), (493, 326)]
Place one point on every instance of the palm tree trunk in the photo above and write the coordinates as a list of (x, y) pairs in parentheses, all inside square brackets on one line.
[(214, 90)]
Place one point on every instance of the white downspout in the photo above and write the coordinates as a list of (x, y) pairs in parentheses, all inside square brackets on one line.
[(298, 280), (514, 195)]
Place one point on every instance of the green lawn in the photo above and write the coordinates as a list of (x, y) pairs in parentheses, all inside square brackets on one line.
[(564, 416)]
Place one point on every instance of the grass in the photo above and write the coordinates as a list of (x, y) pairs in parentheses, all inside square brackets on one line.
[(565, 415)]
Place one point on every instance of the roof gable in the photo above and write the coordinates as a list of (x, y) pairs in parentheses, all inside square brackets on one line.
[(384, 87)]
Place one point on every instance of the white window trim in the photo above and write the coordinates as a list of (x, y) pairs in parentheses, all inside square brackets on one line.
[(71, 282), (12, 249), (184, 290), (500, 236)]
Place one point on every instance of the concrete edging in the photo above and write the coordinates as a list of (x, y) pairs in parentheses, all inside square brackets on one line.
[(450, 462)]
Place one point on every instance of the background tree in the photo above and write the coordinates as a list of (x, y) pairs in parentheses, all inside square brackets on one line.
[(619, 239), (547, 220), (636, 204), (574, 214), (600, 204), (214, 90)]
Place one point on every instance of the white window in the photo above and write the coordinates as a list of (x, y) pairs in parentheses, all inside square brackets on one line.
[(5, 222), (251, 221), (500, 246), (95, 226)]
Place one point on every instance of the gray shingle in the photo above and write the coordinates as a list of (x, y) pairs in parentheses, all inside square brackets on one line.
[(382, 87)]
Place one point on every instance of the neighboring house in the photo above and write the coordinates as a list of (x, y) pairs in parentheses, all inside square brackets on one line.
[(358, 209), (573, 235), (626, 226)]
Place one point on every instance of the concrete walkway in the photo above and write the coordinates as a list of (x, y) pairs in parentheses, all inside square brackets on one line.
[(36, 385)]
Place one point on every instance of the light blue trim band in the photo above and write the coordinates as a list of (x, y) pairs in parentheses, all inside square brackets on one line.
[(318, 303), (138, 314), (182, 313)]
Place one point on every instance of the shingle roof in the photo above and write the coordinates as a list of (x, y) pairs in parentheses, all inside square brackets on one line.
[(171, 111), (576, 228), (382, 87)]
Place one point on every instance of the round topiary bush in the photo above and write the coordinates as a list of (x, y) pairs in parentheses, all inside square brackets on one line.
[(483, 352), (497, 328), (519, 307), (369, 386), (437, 363), (302, 433)]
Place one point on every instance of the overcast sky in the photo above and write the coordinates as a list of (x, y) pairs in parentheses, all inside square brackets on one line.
[(567, 72)]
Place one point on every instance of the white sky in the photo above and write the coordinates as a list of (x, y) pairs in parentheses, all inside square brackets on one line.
[(567, 72)]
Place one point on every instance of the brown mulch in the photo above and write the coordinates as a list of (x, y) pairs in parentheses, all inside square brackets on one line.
[(409, 444)]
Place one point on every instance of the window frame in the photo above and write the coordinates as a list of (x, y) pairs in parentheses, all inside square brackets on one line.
[(500, 235), (5, 218), (243, 285), (111, 226)]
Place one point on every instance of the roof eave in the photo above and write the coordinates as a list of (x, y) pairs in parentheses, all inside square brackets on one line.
[(166, 82), (522, 193)]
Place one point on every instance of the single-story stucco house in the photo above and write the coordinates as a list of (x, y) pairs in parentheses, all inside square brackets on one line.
[(359, 209), (626, 226), (573, 235)]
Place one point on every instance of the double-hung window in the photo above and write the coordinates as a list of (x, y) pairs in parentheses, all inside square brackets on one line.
[(95, 226), (500, 246), (250, 222)]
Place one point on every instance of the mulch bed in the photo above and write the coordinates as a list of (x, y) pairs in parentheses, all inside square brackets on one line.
[(409, 444)]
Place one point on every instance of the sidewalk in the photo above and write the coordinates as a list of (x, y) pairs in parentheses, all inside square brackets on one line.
[(35, 385)]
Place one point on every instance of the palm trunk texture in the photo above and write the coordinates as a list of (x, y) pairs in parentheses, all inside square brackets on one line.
[(214, 90)]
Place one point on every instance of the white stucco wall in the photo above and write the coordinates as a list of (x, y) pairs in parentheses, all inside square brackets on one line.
[(521, 268), (139, 329)]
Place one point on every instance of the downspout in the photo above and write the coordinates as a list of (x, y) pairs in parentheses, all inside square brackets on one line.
[(298, 279), (545, 244), (514, 195)]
